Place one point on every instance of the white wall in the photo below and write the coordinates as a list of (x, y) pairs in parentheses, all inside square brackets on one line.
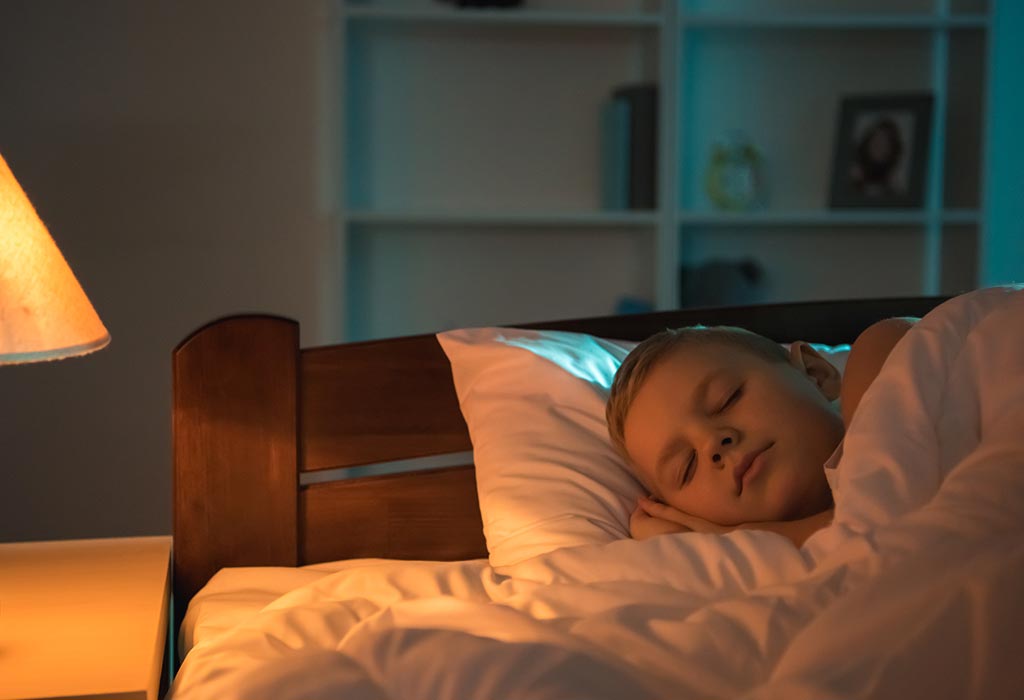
[(170, 147)]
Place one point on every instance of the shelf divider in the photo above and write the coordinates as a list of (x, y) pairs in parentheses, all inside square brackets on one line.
[(931, 265), (668, 249)]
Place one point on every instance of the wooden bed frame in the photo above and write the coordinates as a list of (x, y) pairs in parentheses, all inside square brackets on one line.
[(253, 413)]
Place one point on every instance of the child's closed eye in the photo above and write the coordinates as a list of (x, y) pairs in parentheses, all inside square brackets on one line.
[(689, 469), (733, 397)]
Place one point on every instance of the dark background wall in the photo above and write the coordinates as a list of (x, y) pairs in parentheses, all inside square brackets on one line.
[(170, 147)]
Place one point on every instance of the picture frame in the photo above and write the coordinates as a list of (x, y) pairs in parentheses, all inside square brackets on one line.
[(881, 151)]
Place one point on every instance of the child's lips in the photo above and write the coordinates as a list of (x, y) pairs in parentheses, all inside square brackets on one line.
[(749, 467)]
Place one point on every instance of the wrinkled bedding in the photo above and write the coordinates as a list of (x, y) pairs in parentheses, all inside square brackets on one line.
[(916, 590)]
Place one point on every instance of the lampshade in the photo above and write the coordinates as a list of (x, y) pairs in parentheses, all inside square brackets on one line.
[(44, 314)]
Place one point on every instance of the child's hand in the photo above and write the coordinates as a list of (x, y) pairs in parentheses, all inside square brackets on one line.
[(642, 525), (663, 513)]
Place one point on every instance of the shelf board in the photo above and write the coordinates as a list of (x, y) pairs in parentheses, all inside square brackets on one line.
[(505, 16), (835, 21), (849, 217), (524, 218), (865, 217)]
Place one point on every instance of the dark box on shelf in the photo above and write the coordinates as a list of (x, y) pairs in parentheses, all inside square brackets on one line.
[(641, 102)]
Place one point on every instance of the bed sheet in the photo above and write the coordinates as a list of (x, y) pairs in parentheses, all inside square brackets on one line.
[(914, 591), (235, 594)]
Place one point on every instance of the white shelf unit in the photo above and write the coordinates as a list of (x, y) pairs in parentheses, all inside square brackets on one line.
[(468, 191)]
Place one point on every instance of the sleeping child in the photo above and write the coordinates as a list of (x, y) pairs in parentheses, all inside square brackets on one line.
[(726, 429)]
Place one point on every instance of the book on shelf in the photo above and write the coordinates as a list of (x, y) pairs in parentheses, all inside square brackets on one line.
[(629, 136), (615, 155)]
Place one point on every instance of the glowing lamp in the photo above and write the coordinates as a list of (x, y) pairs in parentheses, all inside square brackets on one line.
[(44, 314)]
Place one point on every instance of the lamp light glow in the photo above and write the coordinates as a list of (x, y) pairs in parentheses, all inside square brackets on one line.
[(44, 313)]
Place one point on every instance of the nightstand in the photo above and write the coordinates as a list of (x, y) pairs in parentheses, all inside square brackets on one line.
[(83, 618)]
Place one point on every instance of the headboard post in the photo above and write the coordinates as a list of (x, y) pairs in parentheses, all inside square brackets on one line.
[(235, 427)]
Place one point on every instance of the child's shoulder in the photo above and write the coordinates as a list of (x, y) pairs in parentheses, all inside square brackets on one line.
[(885, 332), (867, 356)]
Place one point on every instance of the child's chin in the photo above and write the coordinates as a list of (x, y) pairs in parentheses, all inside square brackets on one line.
[(783, 497)]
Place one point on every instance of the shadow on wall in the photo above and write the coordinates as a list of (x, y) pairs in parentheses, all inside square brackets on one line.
[(714, 283), (721, 283)]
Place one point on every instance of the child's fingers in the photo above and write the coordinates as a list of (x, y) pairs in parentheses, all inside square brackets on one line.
[(659, 510), (666, 512), (644, 504), (638, 516)]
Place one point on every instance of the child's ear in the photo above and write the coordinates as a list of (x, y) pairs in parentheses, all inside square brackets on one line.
[(819, 370)]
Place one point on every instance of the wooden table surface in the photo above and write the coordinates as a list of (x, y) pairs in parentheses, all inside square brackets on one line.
[(83, 618)]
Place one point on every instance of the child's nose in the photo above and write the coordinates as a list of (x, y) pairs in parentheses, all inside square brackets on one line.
[(723, 443)]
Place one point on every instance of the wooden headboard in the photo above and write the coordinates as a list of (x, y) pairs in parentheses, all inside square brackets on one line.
[(253, 413)]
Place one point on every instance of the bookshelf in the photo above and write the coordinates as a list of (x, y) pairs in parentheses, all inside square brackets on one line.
[(467, 172)]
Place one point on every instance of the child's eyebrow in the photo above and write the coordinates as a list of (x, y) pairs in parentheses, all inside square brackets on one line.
[(700, 394)]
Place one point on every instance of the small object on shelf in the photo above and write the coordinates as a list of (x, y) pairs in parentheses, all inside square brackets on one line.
[(721, 283), (881, 150), (733, 178), (642, 107)]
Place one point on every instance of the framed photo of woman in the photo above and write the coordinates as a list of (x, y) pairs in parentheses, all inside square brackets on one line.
[(881, 151)]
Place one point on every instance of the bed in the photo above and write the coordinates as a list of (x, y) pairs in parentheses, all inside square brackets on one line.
[(265, 434)]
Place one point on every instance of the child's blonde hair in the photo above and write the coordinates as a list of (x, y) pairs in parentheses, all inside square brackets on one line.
[(638, 364)]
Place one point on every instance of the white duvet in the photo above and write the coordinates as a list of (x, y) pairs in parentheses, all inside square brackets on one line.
[(916, 590)]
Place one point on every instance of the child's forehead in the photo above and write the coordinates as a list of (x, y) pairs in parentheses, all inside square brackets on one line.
[(692, 365), (709, 356), (687, 371)]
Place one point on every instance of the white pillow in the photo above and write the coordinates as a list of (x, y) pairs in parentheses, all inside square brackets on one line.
[(547, 474)]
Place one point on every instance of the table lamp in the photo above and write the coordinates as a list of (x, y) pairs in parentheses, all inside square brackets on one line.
[(44, 314)]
